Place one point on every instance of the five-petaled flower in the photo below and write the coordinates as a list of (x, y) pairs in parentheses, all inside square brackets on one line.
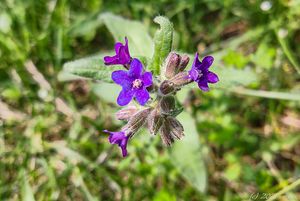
[(120, 139), (134, 83), (122, 56), (200, 73)]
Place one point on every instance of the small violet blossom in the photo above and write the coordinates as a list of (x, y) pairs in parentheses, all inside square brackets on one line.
[(200, 73), (134, 83), (122, 56), (120, 139)]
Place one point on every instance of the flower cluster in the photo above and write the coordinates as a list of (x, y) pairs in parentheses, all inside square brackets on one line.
[(158, 114)]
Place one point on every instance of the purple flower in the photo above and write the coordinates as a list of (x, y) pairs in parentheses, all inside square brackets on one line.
[(122, 55), (134, 83), (200, 73), (120, 139)]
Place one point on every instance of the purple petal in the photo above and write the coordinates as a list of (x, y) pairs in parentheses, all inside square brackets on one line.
[(196, 62), (123, 145), (124, 53), (126, 47), (111, 60), (212, 77), (124, 150), (121, 77), (136, 68), (115, 137), (125, 96), (118, 45), (120, 139), (203, 85), (207, 62), (193, 74), (124, 57), (147, 79), (142, 96)]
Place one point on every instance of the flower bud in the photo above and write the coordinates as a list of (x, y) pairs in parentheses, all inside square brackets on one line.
[(166, 87), (176, 128), (155, 121), (170, 130), (167, 104), (171, 65), (183, 62), (181, 79), (176, 112), (126, 113), (165, 136), (136, 122)]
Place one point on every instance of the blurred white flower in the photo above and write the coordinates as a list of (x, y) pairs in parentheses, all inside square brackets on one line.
[(265, 5), (282, 33)]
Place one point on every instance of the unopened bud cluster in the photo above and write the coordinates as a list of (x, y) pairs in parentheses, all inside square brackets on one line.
[(174, 72), (160, 115)]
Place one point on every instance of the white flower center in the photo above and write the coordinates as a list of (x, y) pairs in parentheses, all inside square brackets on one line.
[(199, 74), (137, 83)]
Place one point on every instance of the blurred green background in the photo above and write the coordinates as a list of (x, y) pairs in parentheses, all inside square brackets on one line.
[(51, 144)]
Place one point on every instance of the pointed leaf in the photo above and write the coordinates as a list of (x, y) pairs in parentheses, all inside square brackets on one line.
[(228, 77), (292, 96), (91, 67), (101, 91), (231, 77), (187, 154), (162, 43), (140, 42)]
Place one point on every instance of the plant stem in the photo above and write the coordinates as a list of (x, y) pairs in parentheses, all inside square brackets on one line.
[(287, 51), (285, 190)]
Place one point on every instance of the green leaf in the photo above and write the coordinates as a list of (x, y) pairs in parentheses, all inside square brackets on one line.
[(186, 154), (162, 43), (292, 96), (140, 42), (91, 67), (231, 77), (27, 194), (101, 91), (64, 76)]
